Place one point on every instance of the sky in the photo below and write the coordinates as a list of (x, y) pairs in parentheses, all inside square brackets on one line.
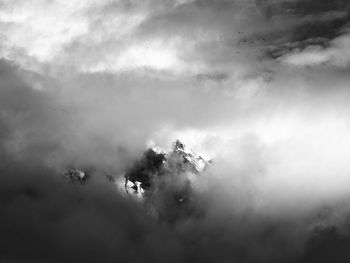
[(259, 86)]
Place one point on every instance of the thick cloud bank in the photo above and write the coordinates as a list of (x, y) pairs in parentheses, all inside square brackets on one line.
[(259, 86)]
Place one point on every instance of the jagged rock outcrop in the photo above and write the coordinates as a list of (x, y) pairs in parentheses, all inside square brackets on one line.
[(162, 180), (76, 175), (156, 163)]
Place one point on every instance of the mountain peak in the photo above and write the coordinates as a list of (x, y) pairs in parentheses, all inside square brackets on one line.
[(163, 180), (197, 161), (155, 162), (179, 146), (76, 175)]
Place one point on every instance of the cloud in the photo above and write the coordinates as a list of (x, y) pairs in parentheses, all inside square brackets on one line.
[(335, 55), (254, 163), (181, 38), (41, 28), (90, 84)]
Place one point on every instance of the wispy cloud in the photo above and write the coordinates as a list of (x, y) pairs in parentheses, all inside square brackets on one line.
[(260, 86)]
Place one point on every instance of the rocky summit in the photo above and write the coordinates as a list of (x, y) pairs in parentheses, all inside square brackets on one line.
[(164, 181)]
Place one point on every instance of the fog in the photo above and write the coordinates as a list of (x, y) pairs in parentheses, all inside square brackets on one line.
[(92, 85)]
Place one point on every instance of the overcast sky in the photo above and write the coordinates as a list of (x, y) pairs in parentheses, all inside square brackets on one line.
[(260, 86)]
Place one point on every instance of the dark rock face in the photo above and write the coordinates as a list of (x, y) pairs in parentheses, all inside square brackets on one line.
[(154, 163), (76, 175), (163, 182), (148, 166)]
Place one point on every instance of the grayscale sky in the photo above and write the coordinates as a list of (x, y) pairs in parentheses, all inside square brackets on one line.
[(260, 86)]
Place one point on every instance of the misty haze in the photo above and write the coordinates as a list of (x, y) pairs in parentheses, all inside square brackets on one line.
[(175, 131)]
